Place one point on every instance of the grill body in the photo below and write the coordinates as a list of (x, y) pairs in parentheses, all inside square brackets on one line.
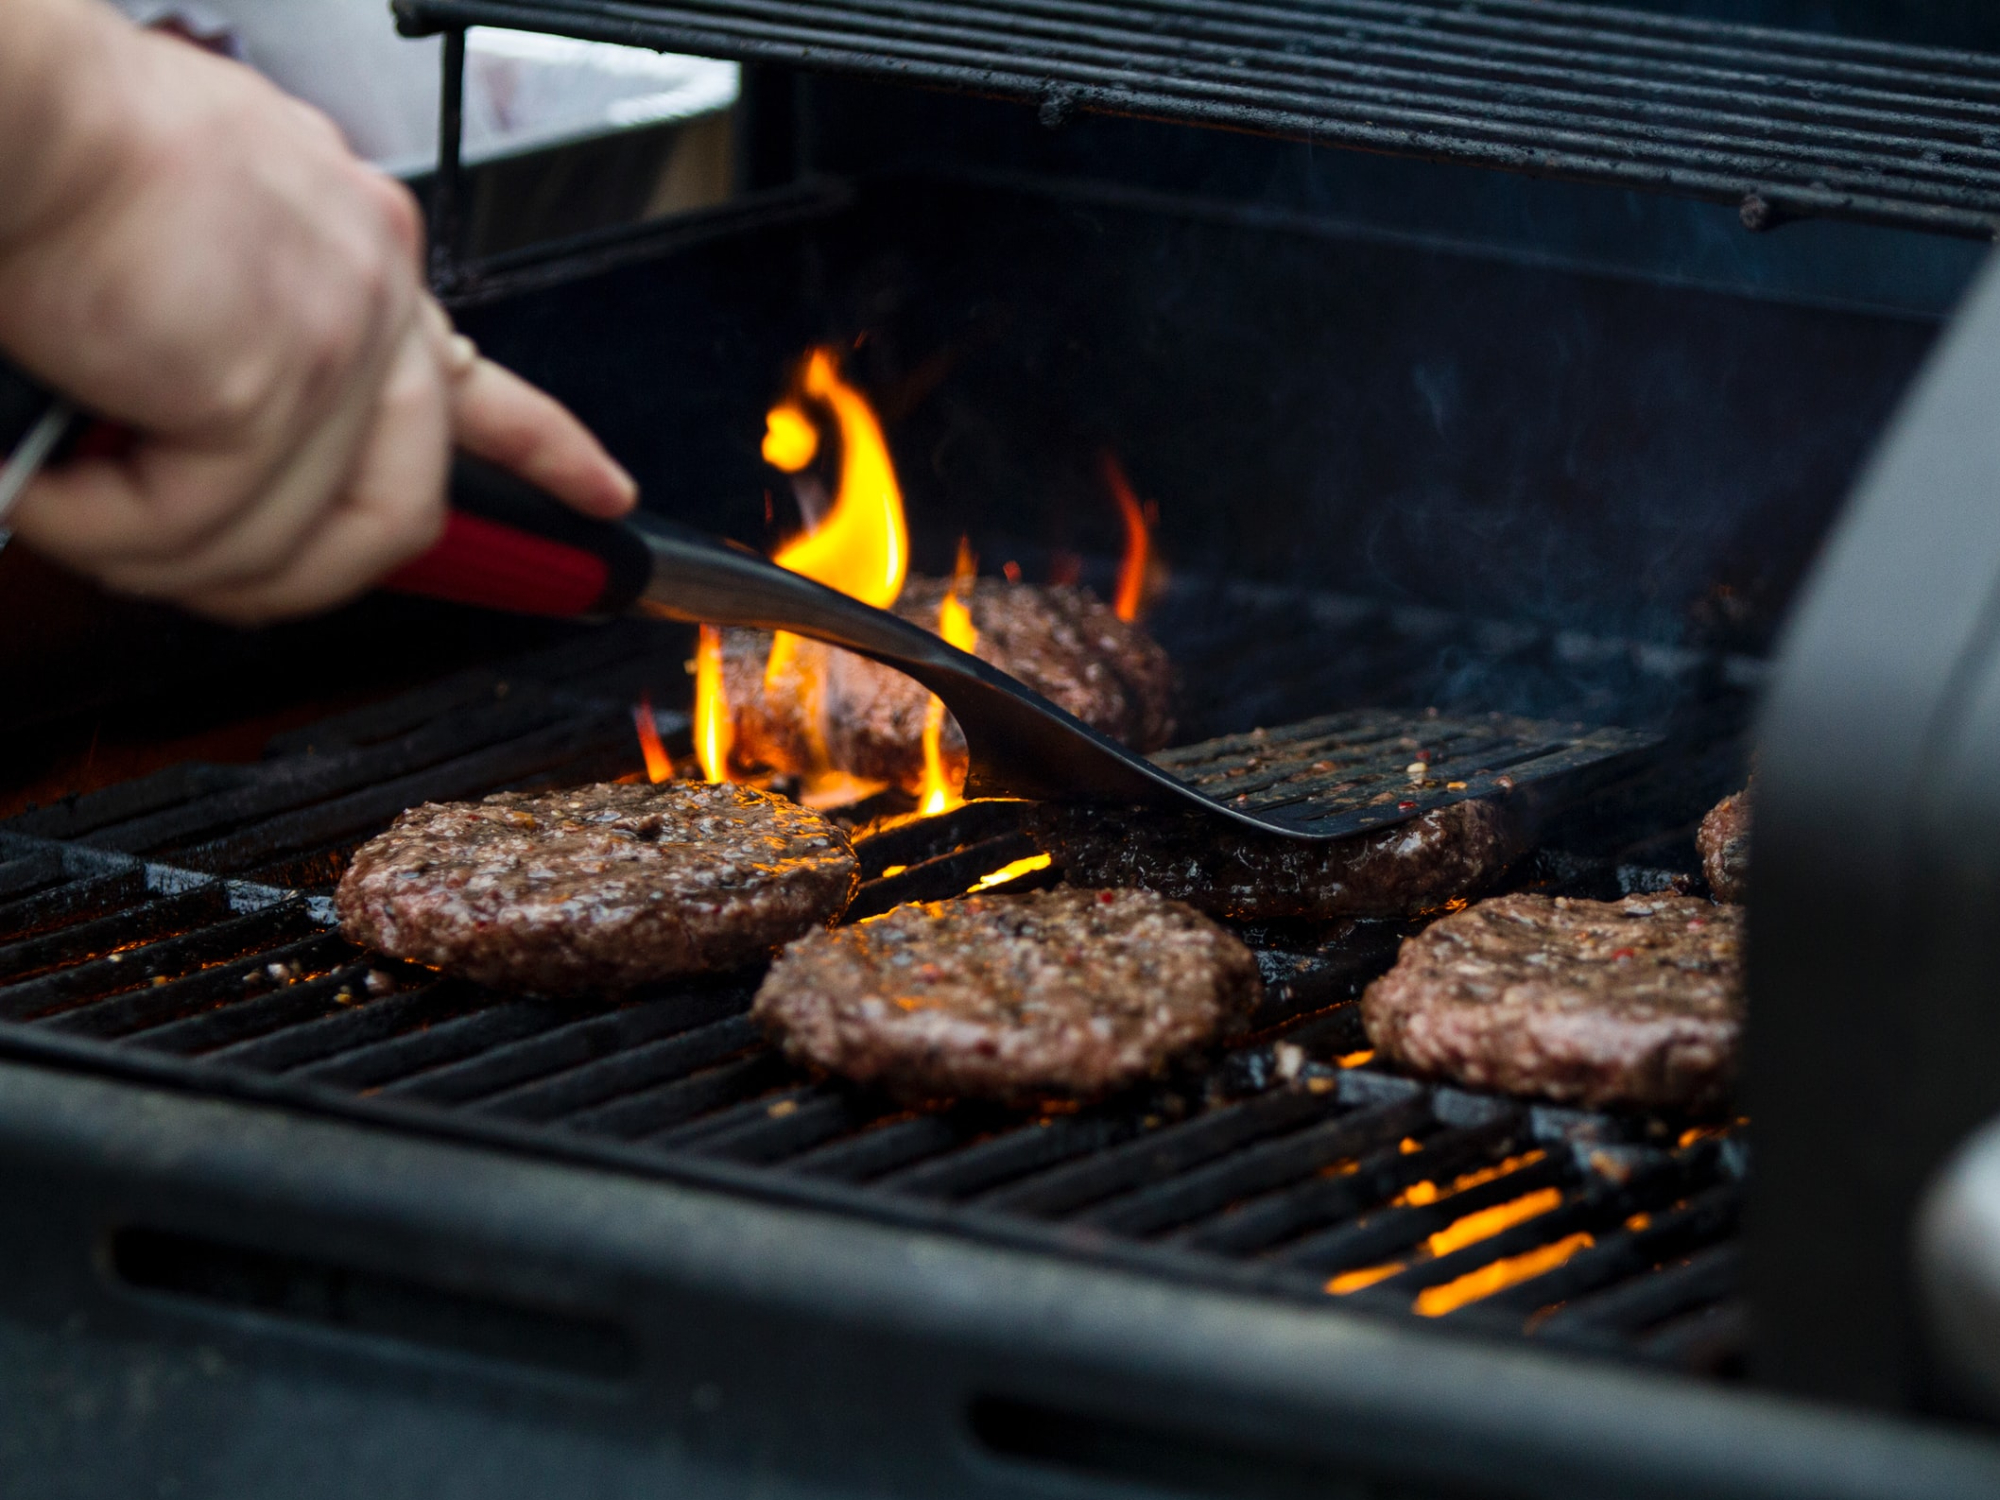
[(375, 1345), (1549, 448)]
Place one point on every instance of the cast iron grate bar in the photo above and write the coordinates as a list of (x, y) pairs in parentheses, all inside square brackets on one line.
[(210, 1001), (666, 1059), (1350, 772), (1780, 123), (655, 1113)]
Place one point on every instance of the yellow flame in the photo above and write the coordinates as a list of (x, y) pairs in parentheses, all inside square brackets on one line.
[(940, 794), (659, 764), (714, 726), (790, 439), (862, 547)]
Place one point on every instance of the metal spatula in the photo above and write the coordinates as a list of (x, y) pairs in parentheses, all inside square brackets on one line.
[(509, 546)]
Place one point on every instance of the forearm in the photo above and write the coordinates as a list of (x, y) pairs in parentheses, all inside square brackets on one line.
[(67, 79)]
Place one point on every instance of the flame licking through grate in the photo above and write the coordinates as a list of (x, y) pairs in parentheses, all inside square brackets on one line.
[(941, 791), (858, 544), (1137, 567), (714, 724), (659, 764)]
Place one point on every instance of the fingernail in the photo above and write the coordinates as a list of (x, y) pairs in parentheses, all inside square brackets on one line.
[(628, 486)]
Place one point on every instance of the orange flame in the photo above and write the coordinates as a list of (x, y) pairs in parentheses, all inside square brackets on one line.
[(714, 724), (659, 764), (1132, 569), (940, 794)]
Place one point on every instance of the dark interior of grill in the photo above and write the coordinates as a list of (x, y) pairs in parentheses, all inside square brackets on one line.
[(1423, 439)]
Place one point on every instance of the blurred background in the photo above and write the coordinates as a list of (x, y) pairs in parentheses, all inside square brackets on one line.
[(563, 136)]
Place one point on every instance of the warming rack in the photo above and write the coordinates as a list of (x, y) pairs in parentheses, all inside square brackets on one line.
[(1781, 124)]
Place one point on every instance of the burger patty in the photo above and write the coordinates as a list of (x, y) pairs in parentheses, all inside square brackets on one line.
[(1018, 998), (603, 888), (1454, 851), (1724, 842), (1063, 642), (1636, 1002)]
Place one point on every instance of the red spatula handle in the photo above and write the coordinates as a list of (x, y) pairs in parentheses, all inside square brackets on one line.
[(507, 545)]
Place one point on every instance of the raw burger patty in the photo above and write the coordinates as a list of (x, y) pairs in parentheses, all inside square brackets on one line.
[(603, 888), (1018, 998), (1062, 642), (1415, 866), (1635, 1002), (1724, 842)]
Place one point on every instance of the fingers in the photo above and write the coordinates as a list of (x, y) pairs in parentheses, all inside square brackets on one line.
[(499, 417), (391, 509), (171, 518)]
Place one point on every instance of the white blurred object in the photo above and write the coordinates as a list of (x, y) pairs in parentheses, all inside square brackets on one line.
[(523, 91)]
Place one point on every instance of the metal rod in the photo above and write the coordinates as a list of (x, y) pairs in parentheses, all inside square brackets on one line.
[(448, 182)]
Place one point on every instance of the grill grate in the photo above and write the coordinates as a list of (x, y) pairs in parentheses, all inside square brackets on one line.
[(142, 930), (1350, 772), (1784, 124)]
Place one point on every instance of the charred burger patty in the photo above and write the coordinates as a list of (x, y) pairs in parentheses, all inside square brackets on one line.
[(1063, 642), (1062, 992), (1724, 845), (603, 888), (1636, 1002)]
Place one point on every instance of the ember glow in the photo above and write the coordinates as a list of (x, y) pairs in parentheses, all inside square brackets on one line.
[(714, 724), (940, 793), (1135, 566), (1488, 1222), (1436, 1301), (1012, 871), (659, 765)]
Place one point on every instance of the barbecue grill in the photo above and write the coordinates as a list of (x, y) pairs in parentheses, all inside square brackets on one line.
[(1488, 471)]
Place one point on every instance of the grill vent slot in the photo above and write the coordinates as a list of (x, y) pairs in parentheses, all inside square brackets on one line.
[(1176, 1460), (368, 1303)]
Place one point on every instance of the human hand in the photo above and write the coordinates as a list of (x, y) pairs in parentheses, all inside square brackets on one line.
[(199, 258)]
